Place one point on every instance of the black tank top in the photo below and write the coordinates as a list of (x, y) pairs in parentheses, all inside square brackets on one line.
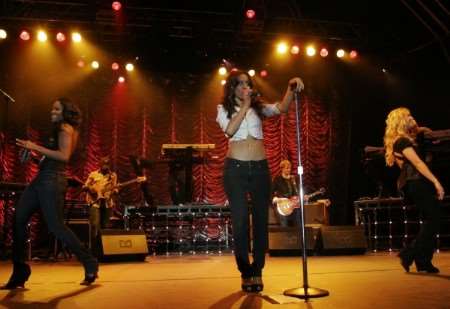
[(52, 165)]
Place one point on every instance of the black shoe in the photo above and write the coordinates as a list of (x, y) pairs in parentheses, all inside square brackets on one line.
[(21, 273), (247, 285), (258, 284), (427, 267), (91, 273), (406, 259), (89, 279)]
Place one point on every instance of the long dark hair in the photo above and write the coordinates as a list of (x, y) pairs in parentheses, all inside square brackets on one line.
[(229, 98), (71, 113)]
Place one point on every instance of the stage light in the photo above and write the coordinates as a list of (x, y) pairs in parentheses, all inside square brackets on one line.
[(25, 35), (76, 37), (282, 48), (310, 51), (251, 72), (116, 5), (295, 50), (3, 34), (121, 79), (95, 65), (250, 14), (234, 70), (323, 52), (340, 53), (80, 63), (263, 73), (129, 67), (41, 36), (60, 37), (223, 82), (222, 71), (115, 66), (353, 54)]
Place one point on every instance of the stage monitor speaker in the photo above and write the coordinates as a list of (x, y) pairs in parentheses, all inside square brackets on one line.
[(347, 239), (285, 241), (122, 245)]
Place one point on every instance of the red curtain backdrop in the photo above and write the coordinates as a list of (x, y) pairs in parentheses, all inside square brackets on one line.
[(125, 119)]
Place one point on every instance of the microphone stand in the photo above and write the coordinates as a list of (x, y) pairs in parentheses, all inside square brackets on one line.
[(304, 292)]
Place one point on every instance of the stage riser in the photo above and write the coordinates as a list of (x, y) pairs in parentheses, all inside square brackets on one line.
[(390, 223)]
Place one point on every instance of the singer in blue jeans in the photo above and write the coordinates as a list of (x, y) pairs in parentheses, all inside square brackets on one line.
[(46, 192), (246, 171)]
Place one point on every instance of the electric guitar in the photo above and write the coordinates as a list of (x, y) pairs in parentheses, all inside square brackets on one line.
[(95, 194), (285, 206)]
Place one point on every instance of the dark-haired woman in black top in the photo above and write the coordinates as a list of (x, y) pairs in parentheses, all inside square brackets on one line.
[(418, 184), (46, 191)]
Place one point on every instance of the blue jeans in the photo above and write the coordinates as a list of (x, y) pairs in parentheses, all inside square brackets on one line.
[(46, 192), (242, 178)]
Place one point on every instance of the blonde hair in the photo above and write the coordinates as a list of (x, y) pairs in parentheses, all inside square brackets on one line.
[(284, 163), (398, 124)]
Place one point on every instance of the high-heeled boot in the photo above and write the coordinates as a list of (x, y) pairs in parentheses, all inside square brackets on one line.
[(90, 273), (21, 273)]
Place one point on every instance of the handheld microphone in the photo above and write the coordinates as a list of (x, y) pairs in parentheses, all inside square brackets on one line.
[(24, 155), (255, 94)]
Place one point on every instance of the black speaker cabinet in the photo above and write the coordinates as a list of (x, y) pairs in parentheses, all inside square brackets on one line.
[(285, 241), (121, 245), (347, 239)]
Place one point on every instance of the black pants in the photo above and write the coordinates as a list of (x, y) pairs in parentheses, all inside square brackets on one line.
[(422, 193), (46, 192), (241, 178)]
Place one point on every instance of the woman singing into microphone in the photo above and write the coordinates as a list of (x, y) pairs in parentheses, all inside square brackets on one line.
[(46, 192), (246, 170)]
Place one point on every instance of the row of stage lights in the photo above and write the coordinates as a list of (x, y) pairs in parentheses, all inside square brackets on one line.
[(284, 48), (115, 66), (42, 36)]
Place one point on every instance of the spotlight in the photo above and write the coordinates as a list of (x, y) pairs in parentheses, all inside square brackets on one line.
[(222, 71), (263, 73), (95, 65), (80, 63), (3, 34), (41, 36), (24, 35), (295, 50), (250, 14), (310, 51), (60, 37), (115, 66), (121, 79), (223, 82), (340, 53), (129, 67), (282, 48), (353, 54), (323, 52), (76, 37), (234, 70), (251, 72), (116, 5)]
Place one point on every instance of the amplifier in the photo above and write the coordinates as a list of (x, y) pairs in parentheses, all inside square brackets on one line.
[(123, 245), (285, 241)]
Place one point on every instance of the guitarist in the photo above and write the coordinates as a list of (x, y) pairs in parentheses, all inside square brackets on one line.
[(284, 185), (99, 198)]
